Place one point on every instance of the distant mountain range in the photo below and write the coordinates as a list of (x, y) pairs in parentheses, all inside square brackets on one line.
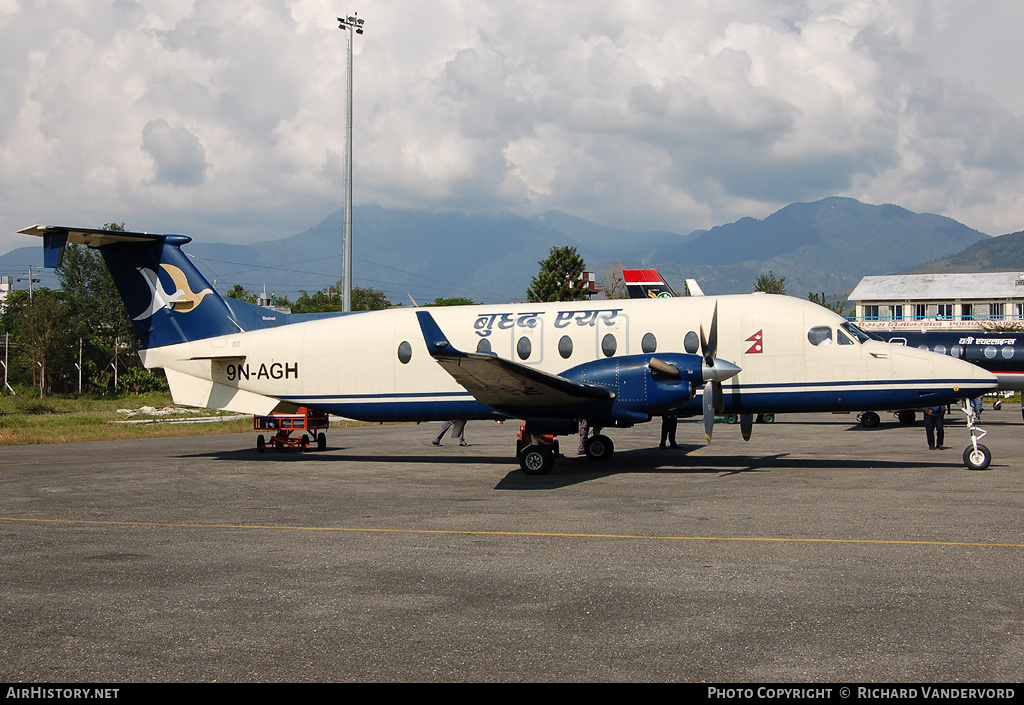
[(826, 246), (999, 254)]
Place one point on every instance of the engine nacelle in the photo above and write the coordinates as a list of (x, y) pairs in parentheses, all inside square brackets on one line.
[(644, 385)]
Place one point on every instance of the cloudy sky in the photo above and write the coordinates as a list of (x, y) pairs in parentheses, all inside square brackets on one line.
[(224, 119)]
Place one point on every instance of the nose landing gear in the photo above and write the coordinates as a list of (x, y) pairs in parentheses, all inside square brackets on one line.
[(976, 455)]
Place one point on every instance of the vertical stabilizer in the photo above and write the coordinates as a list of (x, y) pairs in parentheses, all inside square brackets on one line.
[(646, 284), (168, 300)]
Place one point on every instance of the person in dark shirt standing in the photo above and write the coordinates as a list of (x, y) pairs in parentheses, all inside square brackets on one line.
[(933, 427)]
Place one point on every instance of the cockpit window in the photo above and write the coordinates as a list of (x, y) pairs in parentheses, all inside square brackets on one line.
[(842, 338), (855, 332), (820, 335)]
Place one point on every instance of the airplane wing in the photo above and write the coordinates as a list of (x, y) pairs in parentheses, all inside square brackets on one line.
[(505, 385)]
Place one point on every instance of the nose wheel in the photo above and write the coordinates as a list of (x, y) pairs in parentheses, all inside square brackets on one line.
[(976, 455)]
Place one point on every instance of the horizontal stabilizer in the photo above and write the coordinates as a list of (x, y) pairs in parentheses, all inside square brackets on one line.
[(56, 238), (203, 393)]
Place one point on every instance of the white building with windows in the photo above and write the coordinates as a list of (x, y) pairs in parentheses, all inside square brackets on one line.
[(978, 301)]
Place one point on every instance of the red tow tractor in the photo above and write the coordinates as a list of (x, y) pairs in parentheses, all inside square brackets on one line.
[(305, 421)]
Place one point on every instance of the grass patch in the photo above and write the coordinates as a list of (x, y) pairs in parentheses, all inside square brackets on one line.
[(27, 419)]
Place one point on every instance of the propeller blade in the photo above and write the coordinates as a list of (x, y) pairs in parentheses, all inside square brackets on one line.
[(713, 335), (746, 425), (709, 345), (709, 410)]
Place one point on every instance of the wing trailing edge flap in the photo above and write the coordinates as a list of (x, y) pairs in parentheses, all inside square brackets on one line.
[(502, 384)]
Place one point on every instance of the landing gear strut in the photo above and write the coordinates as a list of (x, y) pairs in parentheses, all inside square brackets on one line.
[(976, 455)]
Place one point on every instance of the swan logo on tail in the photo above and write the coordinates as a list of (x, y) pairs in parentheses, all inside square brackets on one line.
[(182, 300)]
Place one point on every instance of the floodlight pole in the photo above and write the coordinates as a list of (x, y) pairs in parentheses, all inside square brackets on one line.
[(350, 24)]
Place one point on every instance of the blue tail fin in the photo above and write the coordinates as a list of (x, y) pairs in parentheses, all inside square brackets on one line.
[(167, 298)]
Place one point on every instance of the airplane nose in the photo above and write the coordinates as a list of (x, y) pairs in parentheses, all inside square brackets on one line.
[(981, 380), (719, 371)]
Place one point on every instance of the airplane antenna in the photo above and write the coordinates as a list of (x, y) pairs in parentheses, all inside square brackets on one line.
[(412, 299), (349, 24)]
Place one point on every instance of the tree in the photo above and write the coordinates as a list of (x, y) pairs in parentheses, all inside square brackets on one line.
[(44, 335), (770, 284), (839, 306), (451, 301), (242, 294), (98, 315), (367, 299), (558, 277), (614, 284)]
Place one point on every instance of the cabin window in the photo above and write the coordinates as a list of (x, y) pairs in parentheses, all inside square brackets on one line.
[(691, 343), (956, 351), (565, 347), (649, 343), (940, 349), (820, 335), (608, 345), (990, 351), (1007, 352), (484, 346), (404, 352), (523, 348)]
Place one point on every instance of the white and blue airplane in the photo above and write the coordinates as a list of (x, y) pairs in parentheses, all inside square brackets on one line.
[(613, 363)]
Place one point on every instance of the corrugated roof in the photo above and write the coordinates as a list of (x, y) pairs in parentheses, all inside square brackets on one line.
[(931, 287)]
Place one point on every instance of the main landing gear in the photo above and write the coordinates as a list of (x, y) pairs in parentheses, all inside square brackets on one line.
[(537, 449), (538, 457)]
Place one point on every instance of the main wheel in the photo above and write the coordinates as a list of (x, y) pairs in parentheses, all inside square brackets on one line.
[(599, 448), (977, 459), (906, 417), (869, 419), (536, 460)]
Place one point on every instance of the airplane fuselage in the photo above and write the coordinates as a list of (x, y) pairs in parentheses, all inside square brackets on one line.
[(375, 366)]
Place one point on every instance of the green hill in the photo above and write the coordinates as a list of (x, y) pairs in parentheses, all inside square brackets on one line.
[(999, 254)]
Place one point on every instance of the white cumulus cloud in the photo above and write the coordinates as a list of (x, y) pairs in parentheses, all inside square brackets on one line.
[(224, 119)]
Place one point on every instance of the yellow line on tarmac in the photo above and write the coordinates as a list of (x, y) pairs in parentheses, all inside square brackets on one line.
[(468, 532)]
